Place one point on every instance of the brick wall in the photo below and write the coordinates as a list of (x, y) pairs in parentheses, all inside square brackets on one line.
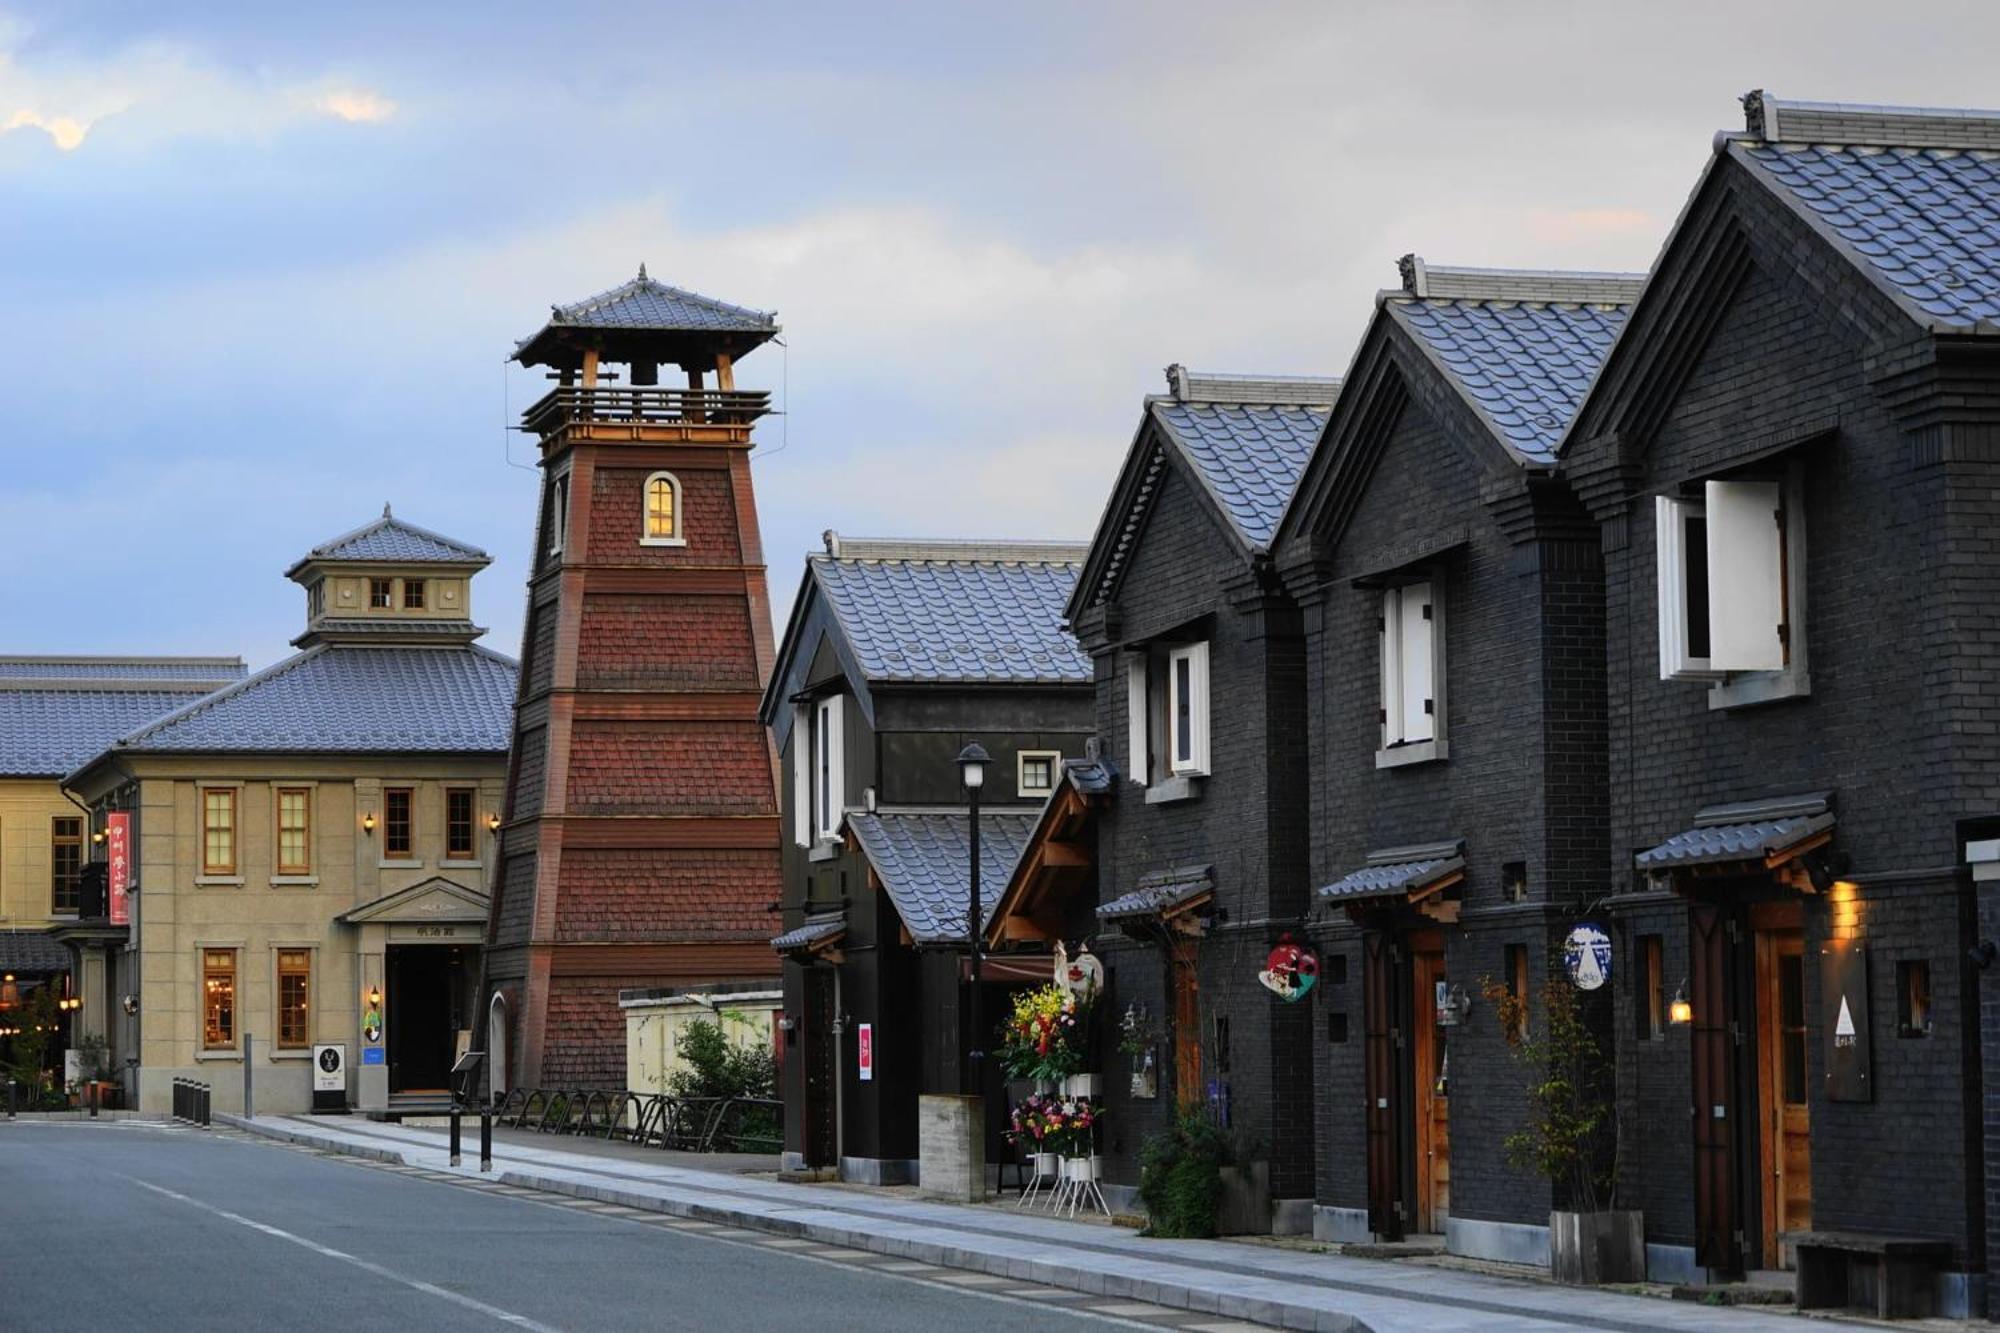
[(618, 511), (634, 767), (634, 641), (620, 894)]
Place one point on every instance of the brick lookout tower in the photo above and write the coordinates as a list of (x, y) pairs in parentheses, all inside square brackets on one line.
[(640, 847)]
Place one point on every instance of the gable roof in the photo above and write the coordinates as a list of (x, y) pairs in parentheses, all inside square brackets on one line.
[(924, 861), (646, 306), (390, 540), (433, 899), (340, 698), (1244, 440), (56, 712)]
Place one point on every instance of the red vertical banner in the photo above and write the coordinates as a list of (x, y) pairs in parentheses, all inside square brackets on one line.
[(867, 1052), (118, 880)]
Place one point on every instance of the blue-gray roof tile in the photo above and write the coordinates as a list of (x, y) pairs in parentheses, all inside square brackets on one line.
[(389, 539), (214, 672), (351, 699), (1394, 879), (1249, 455), (31, 951), (1717, 843), (1160, 893), (1925, 222), (1523, 366), (644, 303), (989, 621), (56, 712), (813, 930), (924, 860)]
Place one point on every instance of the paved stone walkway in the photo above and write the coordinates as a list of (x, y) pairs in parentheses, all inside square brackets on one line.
[(1266, 1285)]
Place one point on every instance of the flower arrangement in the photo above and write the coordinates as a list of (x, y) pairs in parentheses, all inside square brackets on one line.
[(1065, 1126), (1044, 1035)]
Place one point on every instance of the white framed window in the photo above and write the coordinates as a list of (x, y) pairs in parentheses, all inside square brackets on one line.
[(828, 777), (1187, 709), (1411, 652), (802, 769), (1035, 771), (1750, 621), (558, 513), (660, 521)]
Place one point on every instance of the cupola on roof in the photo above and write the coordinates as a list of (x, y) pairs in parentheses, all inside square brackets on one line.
[(645, 319), (390, 540), (389, 581)]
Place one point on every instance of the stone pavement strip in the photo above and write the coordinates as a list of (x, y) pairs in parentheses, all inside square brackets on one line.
[(1272, 1286)]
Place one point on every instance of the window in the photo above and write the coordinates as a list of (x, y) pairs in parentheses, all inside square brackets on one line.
[(1514, 881), (294, 831), (379, 594), (1751, 619), (316, 598), (413, 594), (1187, 709), (1913, 998), (397, 834), (294, 998), (218, 999), (1035, 772), (458, 823), (1410, 667), (65, 864), (662, 521), (1649, 1002), (558, 513), (829, 758), (218, 830)]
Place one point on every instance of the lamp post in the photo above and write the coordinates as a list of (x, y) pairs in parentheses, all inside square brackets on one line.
[(972, 761)]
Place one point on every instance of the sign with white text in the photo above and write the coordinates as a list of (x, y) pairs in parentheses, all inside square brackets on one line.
[(118, 878), (866, 1048)]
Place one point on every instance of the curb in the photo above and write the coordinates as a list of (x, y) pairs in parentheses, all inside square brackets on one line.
[(1176, 1295)]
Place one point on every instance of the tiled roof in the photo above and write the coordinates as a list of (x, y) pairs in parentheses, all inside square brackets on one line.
[(57, 712), (643, 303), (392, 541), (927, 620), (1923, 222), (1744, 832), (814, 930), (1385, 876), (26, 951), (1160, 893), (1524, 366), (1249, 455), (924, 860), (213, 672), (1093, 777), (349, 699)]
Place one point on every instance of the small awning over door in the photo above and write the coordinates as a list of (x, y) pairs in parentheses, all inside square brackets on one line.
[(814, 936), (1745, 836), (1170, 897), (1423, 876)]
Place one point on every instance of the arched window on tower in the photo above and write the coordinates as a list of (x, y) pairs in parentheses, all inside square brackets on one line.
[(661, 522)]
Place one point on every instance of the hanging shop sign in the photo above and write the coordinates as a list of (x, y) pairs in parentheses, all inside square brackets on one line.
[(1587, 956), (1843, 989), (118, 853), (865, 1051), (1290, 971), (1082, 976)]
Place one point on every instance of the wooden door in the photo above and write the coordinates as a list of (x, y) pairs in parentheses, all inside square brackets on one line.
[(1717, 1107), (1185, 985), (1784, 1145), (819, 1141), (1432, 1104), (1381, 1084)]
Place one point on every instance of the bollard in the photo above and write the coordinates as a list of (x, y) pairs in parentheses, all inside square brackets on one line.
[(249, 1097), (10, 1099), (486, 1138), (91, 1092), (454, 1135)]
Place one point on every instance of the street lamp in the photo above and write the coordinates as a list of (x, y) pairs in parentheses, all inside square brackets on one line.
[(972, 761)]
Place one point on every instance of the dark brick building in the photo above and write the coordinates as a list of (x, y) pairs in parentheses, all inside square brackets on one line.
[(1793, 454), (1200, 852), (1451, 594), (899, 654), (640, 847)]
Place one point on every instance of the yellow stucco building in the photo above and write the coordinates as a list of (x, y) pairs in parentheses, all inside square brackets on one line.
[(312, 845)]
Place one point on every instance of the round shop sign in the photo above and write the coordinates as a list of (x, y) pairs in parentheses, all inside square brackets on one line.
[(1587, 956), (1290, 971)]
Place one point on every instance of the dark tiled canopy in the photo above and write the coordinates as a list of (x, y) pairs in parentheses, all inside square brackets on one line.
[(814, 930), (1750, 831), (1161, 894), (1398, 872)]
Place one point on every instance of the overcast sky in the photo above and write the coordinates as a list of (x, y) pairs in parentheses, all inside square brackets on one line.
[(260, 265)]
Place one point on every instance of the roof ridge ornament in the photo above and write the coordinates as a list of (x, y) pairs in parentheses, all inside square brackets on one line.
[(1768, 119), (1439, 282), (642, 271)]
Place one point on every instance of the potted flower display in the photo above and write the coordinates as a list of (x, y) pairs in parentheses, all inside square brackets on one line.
[(1072, 1129), (1568, 1136), (1044, 1037)]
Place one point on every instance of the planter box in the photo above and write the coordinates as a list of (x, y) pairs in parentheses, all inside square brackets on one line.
[(1588, 1249), (1245, 1206)]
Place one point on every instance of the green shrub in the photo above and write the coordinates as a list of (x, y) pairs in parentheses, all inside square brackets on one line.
[(717, 1067), (1180, 1176)]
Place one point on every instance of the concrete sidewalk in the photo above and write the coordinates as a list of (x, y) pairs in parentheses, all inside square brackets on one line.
[(1268, 1285)]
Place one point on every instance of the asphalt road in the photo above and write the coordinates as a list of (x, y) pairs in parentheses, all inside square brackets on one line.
[(124, 1226)]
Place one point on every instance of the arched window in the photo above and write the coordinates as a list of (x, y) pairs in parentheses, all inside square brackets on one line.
[(660, 525)]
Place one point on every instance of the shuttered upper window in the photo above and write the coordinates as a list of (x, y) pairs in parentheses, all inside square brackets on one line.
[(1731, 590), (1411, 653)]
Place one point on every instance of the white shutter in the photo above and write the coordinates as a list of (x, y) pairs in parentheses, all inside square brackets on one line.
[(1415, 654), (802, 762), (1746, 593), (1391, 636), (1135, 718), (837, 749), (1198, 707)]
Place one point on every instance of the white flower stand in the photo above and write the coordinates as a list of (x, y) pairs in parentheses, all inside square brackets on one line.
[(1078, 1188), (1048, 1175)]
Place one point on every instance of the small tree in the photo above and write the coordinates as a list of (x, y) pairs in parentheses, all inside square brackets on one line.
[(36, 1021), (718, 1068), (1570, 1127)]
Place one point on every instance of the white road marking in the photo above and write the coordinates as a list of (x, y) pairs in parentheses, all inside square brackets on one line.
[(428, 1288)]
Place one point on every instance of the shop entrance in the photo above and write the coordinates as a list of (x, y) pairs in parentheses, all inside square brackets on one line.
[(1430, 1074), (1784, 1141), (1406, 1083), (818, 1069), (428, 1006)]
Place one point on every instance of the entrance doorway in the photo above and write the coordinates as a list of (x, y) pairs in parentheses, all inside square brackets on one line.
[(1430, 1073), (1406, 1083), (818, 1070), (1184, 983), (1784, 1142), (428, 1006)]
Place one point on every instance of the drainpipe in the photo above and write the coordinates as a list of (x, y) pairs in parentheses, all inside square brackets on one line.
[(839, 1076)]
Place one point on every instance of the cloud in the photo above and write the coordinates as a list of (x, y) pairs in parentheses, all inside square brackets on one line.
[(356, 106), (66, 131), (1578, 224)]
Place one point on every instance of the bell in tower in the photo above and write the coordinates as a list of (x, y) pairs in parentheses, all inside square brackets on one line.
[(640, 845)]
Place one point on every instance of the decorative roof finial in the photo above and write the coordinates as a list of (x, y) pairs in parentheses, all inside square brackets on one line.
[(642, 270), (1416, 278), (385, 510)]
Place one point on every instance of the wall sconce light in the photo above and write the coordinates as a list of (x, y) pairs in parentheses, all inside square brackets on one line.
[(97, 836), (368, 823), (374, 997), (493, 823), (130, 1004), (786, 1023), (1679, 1012)]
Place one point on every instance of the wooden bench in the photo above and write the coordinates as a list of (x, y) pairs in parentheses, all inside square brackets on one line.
[(1891, 1277)]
